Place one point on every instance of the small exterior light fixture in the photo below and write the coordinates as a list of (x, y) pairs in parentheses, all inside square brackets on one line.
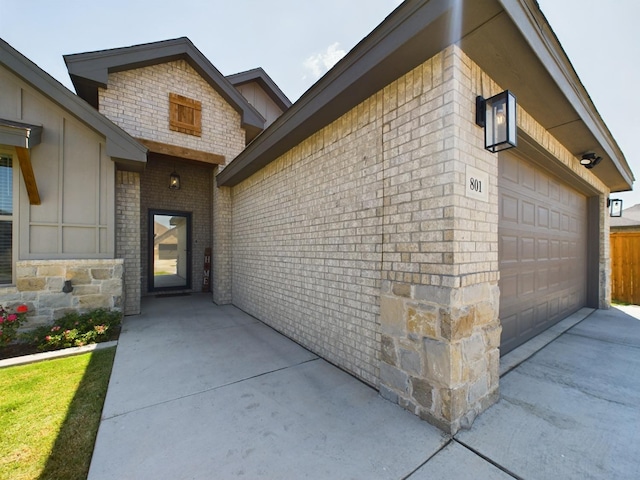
[(497, 115), (590, 160), (615, 207), (68, 287), (174, 181)]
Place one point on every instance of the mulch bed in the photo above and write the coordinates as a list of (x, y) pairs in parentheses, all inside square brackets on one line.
[(20, 349)]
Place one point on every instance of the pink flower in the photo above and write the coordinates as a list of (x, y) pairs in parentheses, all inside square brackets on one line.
[(12, 317), (1, 320), (48, 338), (22, 309)]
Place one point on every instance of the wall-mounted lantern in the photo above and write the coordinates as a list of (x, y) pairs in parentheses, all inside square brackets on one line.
[(174, 181), (615, 207), (590, 160), (497, 115)]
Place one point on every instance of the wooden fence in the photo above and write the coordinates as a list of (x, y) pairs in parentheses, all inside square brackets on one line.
[(625, 267)]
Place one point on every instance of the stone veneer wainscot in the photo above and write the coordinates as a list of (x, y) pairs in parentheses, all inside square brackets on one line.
[(96, 284)]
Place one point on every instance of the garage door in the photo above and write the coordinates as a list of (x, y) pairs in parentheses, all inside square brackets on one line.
[(542, 250)]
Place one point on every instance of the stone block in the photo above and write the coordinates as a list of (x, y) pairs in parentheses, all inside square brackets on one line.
[(478, 389), (392, 320), (54, 300), (80, 290), (410, 361), (90, 302), (101, 273), (422, 320), (409, 405), (438, 361), (453, 402), (31, 284), (61, 312), (79, 275), (456, 323), (388, 351), (393, 378), (402, 290), (111, 287), (433, 294), (473, 348), (26, 270), (51, 270), (422, 392), (388, 394), (492, 336), (485, 313), (55, 284)]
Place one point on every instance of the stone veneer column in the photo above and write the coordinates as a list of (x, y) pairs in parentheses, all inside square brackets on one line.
[(128, 237), (440, 356), (221, 252), (440, 333)]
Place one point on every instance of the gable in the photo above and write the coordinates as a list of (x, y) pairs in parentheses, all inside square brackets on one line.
[(139, 100), (91, 71)]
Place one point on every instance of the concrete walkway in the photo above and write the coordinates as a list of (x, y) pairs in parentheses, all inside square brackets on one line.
[(205, 392)]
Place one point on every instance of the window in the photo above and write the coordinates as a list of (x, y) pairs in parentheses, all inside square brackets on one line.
[(185, 115), (6, 220)]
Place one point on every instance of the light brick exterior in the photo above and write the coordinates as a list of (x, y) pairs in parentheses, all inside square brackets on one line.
[(221, 256), (307, 242), (361, 244), (138, 101), (128, 237), (96, 284)]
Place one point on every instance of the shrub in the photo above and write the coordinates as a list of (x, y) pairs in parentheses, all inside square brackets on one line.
[(10, 323), (76, 330)]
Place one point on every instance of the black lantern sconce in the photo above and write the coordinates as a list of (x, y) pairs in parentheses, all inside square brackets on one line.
[(497, 115), (590, 160), (174, 181), (615, 207)]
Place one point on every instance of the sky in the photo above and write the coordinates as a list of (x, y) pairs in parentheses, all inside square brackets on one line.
[(297, 41)]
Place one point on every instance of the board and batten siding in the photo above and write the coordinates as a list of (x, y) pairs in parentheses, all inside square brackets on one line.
[(75, 179)]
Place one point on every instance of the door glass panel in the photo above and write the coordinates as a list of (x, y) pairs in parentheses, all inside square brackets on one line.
[(170, 251)]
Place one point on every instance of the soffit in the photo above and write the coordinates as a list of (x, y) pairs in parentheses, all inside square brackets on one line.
[(509, 39)]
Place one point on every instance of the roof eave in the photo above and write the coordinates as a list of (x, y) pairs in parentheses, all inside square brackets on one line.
[(129, 149), (90, 70), (412, 34)]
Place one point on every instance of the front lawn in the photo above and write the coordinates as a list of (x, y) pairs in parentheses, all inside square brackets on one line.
[(49, 416)]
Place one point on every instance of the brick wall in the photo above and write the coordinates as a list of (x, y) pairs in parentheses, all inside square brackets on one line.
[(307, 242), (128, 237), (221, 256), (138, 101), (194, 196)]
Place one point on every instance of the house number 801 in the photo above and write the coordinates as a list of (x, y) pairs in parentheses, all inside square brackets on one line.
[(475, 185)]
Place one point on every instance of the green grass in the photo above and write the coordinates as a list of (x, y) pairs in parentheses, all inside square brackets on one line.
[(49, 416)]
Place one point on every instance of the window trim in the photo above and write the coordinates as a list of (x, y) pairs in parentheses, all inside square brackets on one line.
[(10, 152)]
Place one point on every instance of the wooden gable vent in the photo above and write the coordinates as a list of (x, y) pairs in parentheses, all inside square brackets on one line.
[(185, 115)]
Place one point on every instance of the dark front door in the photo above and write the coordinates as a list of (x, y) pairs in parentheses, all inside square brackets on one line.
[(169, 250)]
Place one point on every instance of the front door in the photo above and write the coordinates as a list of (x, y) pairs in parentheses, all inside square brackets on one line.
[(169, 250)]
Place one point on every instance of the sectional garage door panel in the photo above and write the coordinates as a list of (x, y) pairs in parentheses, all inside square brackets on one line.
[(543, 250)]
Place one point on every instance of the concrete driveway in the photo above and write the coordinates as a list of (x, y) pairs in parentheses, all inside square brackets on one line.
[(206, 392)]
